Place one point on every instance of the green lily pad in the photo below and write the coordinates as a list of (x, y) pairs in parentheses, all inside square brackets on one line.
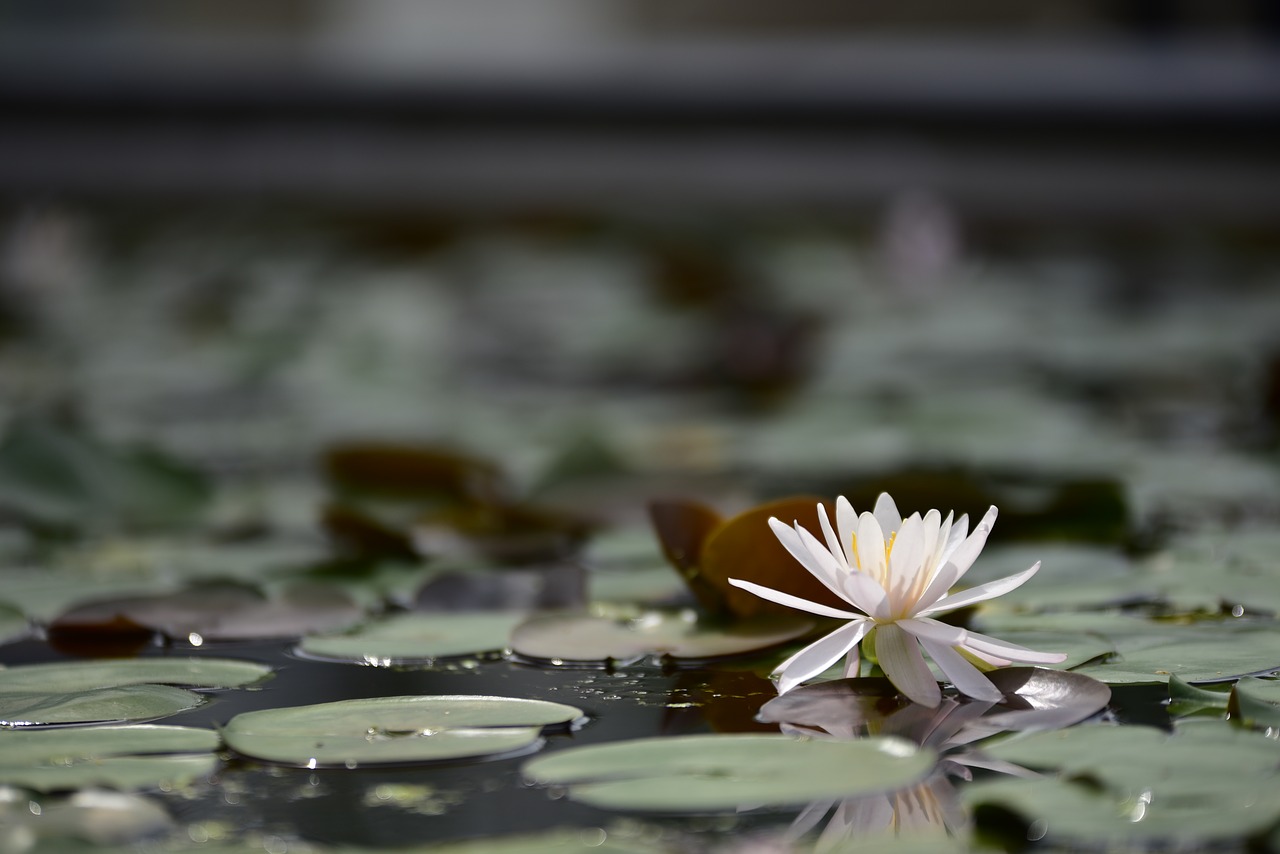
[(1256, 702), (117, 757), (1121, 786), (1149, 651), (1070, 577), (118, 690), (61, 677), (714, 773), (55, 478), (101, 705), (225, 612), (395, 729), (587, 840), (417, 637), (1215, 569), (91, 817), (13, 624), (624, 634)]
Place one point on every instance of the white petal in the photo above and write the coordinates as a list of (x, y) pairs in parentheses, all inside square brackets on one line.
[(932, 527), (1012, 651), (794, 601), (981, 593), (819, 655), (956, 536), (866, 594), (940, 544), (852, 664), (967, 678), (936, 631), (900, 658), (871, 558), (847, 526), (829, 563), (942, 581), (833, 541), (886, 513), (792, 542), (905, 559), (967, 552)]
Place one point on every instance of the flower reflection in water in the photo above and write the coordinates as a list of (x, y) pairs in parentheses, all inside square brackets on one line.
[(1034, 698)]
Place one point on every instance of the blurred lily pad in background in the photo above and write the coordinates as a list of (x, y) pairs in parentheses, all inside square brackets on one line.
[(59, 480)]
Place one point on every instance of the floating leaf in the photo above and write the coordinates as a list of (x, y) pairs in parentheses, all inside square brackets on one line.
[(85, 676), (1121, 786), (395, 729), (57, 479), (630, 634), (100, 705), (1188, 696), (223, 612), (117, 690), (118, 757), (569, 840), (418, 637), (1149, 651), (13, 624), (713, 773), (1256, 702), (1070, 577)]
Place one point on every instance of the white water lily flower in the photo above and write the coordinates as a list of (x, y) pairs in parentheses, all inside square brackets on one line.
[(896, 572)]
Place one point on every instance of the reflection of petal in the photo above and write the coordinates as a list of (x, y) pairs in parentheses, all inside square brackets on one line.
[(900, 658), (927, 810)]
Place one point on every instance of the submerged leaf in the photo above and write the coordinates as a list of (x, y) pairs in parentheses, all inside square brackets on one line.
[(716, 773), (395, 729)]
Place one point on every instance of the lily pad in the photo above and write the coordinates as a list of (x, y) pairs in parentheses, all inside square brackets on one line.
[(13, 624), (117, 757), (1256, 702), (629, 635), (1149, 651), (418, 637), (1070, 577), (126, 690), (101, 705), (57, 479), (86, 676), (93, 816), (715, 773), (224, 612), (1121, 786), (588, 840), (395, 729)]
